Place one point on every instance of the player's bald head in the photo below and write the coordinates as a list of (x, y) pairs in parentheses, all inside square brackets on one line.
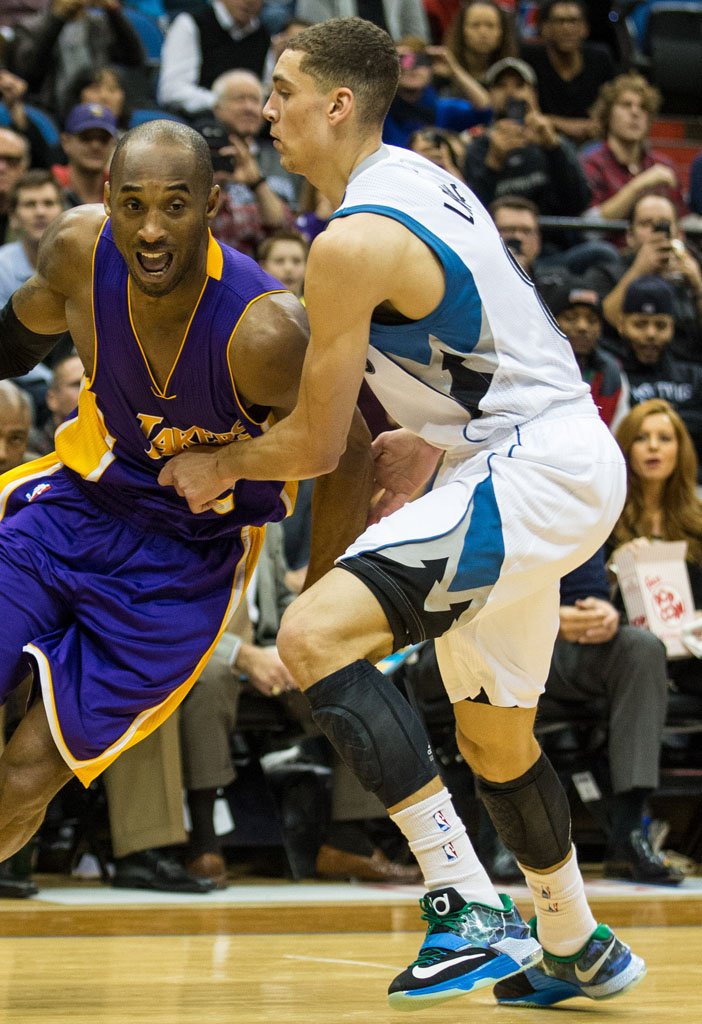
[(165, 135)]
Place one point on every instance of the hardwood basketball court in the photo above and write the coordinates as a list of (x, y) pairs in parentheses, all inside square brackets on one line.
[(297, 953)]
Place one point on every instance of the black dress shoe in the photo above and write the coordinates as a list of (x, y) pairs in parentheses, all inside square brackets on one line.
[(152, 869), (637, 861)]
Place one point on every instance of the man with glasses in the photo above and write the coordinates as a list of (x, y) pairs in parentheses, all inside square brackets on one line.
[(569, 68), (14, 161)]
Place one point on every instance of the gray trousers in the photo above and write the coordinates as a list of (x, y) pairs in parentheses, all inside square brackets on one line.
[(630, 672), (209, 714)]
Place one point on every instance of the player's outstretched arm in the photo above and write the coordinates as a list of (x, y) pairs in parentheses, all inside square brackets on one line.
[(344, 283), (35, 314)]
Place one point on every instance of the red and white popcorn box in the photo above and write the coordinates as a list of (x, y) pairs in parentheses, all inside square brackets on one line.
[(655, 587)]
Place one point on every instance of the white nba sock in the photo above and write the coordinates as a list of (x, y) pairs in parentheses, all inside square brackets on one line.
[(437, 837), (564, 919)]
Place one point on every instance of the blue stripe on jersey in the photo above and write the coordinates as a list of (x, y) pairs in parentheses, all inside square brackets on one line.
[(456, 321), (484, 546)]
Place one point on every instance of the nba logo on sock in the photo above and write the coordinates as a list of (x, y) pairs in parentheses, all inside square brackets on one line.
[(546, 892), (441, 821), (450, 851)]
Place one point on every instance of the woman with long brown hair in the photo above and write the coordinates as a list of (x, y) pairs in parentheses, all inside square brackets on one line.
[(480, 34), (662, 502)]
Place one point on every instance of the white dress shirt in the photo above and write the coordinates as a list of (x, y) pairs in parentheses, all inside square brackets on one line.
[(181, 60)]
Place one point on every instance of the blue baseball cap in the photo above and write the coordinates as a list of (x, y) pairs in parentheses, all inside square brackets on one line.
[(91, 115)]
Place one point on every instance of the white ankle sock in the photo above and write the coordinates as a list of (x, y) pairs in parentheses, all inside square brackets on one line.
[(564, 919), (437, 837)]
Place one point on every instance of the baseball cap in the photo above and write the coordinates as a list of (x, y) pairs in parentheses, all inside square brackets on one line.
[(564, 296), (91, 115), (649, 294), (524, 70)]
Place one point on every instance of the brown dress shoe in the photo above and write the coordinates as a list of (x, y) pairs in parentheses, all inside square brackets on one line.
[(338, 864), (212, 866)]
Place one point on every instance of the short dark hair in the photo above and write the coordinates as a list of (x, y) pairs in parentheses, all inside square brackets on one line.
[(548, 5), (37, 177), (173, 133), (513, 203), (354, 53)]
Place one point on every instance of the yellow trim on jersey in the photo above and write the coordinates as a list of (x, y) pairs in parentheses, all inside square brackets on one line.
[(147, 721), (156, 388), (84, 443), (215, 258), (214, 267), (28, 471)]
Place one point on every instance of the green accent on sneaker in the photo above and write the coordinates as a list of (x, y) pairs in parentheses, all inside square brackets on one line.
[(446, 920), (603, 932)]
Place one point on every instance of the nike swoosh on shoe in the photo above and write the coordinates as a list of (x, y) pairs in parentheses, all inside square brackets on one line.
[(429, 972), (589, 974)]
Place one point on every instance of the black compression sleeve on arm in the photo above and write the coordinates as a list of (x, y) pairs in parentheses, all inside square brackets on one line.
[(20, 348)]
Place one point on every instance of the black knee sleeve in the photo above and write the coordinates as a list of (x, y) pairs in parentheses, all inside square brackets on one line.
[(374, 730), (531, 815)]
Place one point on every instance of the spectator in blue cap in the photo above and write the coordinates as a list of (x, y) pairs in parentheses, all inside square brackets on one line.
[(88, 140), (646, 325)]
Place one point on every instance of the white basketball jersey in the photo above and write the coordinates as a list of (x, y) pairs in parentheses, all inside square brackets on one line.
[(490, 356)]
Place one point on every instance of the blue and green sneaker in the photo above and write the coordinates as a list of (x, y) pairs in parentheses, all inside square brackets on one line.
[(602, 969), (467, 946)]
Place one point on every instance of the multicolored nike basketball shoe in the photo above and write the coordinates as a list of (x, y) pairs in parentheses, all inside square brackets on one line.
[(602, 969), (467, 946)]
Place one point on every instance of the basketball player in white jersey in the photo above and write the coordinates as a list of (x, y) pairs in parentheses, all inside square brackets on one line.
[(411, 286)]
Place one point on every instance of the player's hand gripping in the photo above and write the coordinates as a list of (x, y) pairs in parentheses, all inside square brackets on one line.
[(403, 464), (194, 475)]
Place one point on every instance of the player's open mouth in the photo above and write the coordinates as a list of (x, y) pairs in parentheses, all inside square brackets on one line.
[(155, 263)]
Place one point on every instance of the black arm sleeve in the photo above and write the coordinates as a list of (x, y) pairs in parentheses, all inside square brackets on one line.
[(20, 348)]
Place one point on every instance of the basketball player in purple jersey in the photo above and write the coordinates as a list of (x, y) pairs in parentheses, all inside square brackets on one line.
[(113, 594)]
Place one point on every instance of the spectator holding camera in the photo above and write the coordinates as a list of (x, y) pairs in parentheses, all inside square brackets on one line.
[(417, 104), (247, 168), (655, 247), (522, 154)]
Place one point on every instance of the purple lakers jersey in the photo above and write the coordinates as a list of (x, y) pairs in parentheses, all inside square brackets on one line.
[(125, 427)]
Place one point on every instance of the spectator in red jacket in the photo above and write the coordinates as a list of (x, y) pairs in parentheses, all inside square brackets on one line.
[(579, 314)]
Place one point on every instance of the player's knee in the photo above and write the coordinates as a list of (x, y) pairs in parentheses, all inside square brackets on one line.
[(299, 643), (498, 756)]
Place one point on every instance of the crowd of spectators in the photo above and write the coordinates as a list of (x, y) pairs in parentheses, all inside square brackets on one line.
[(544, 123)]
